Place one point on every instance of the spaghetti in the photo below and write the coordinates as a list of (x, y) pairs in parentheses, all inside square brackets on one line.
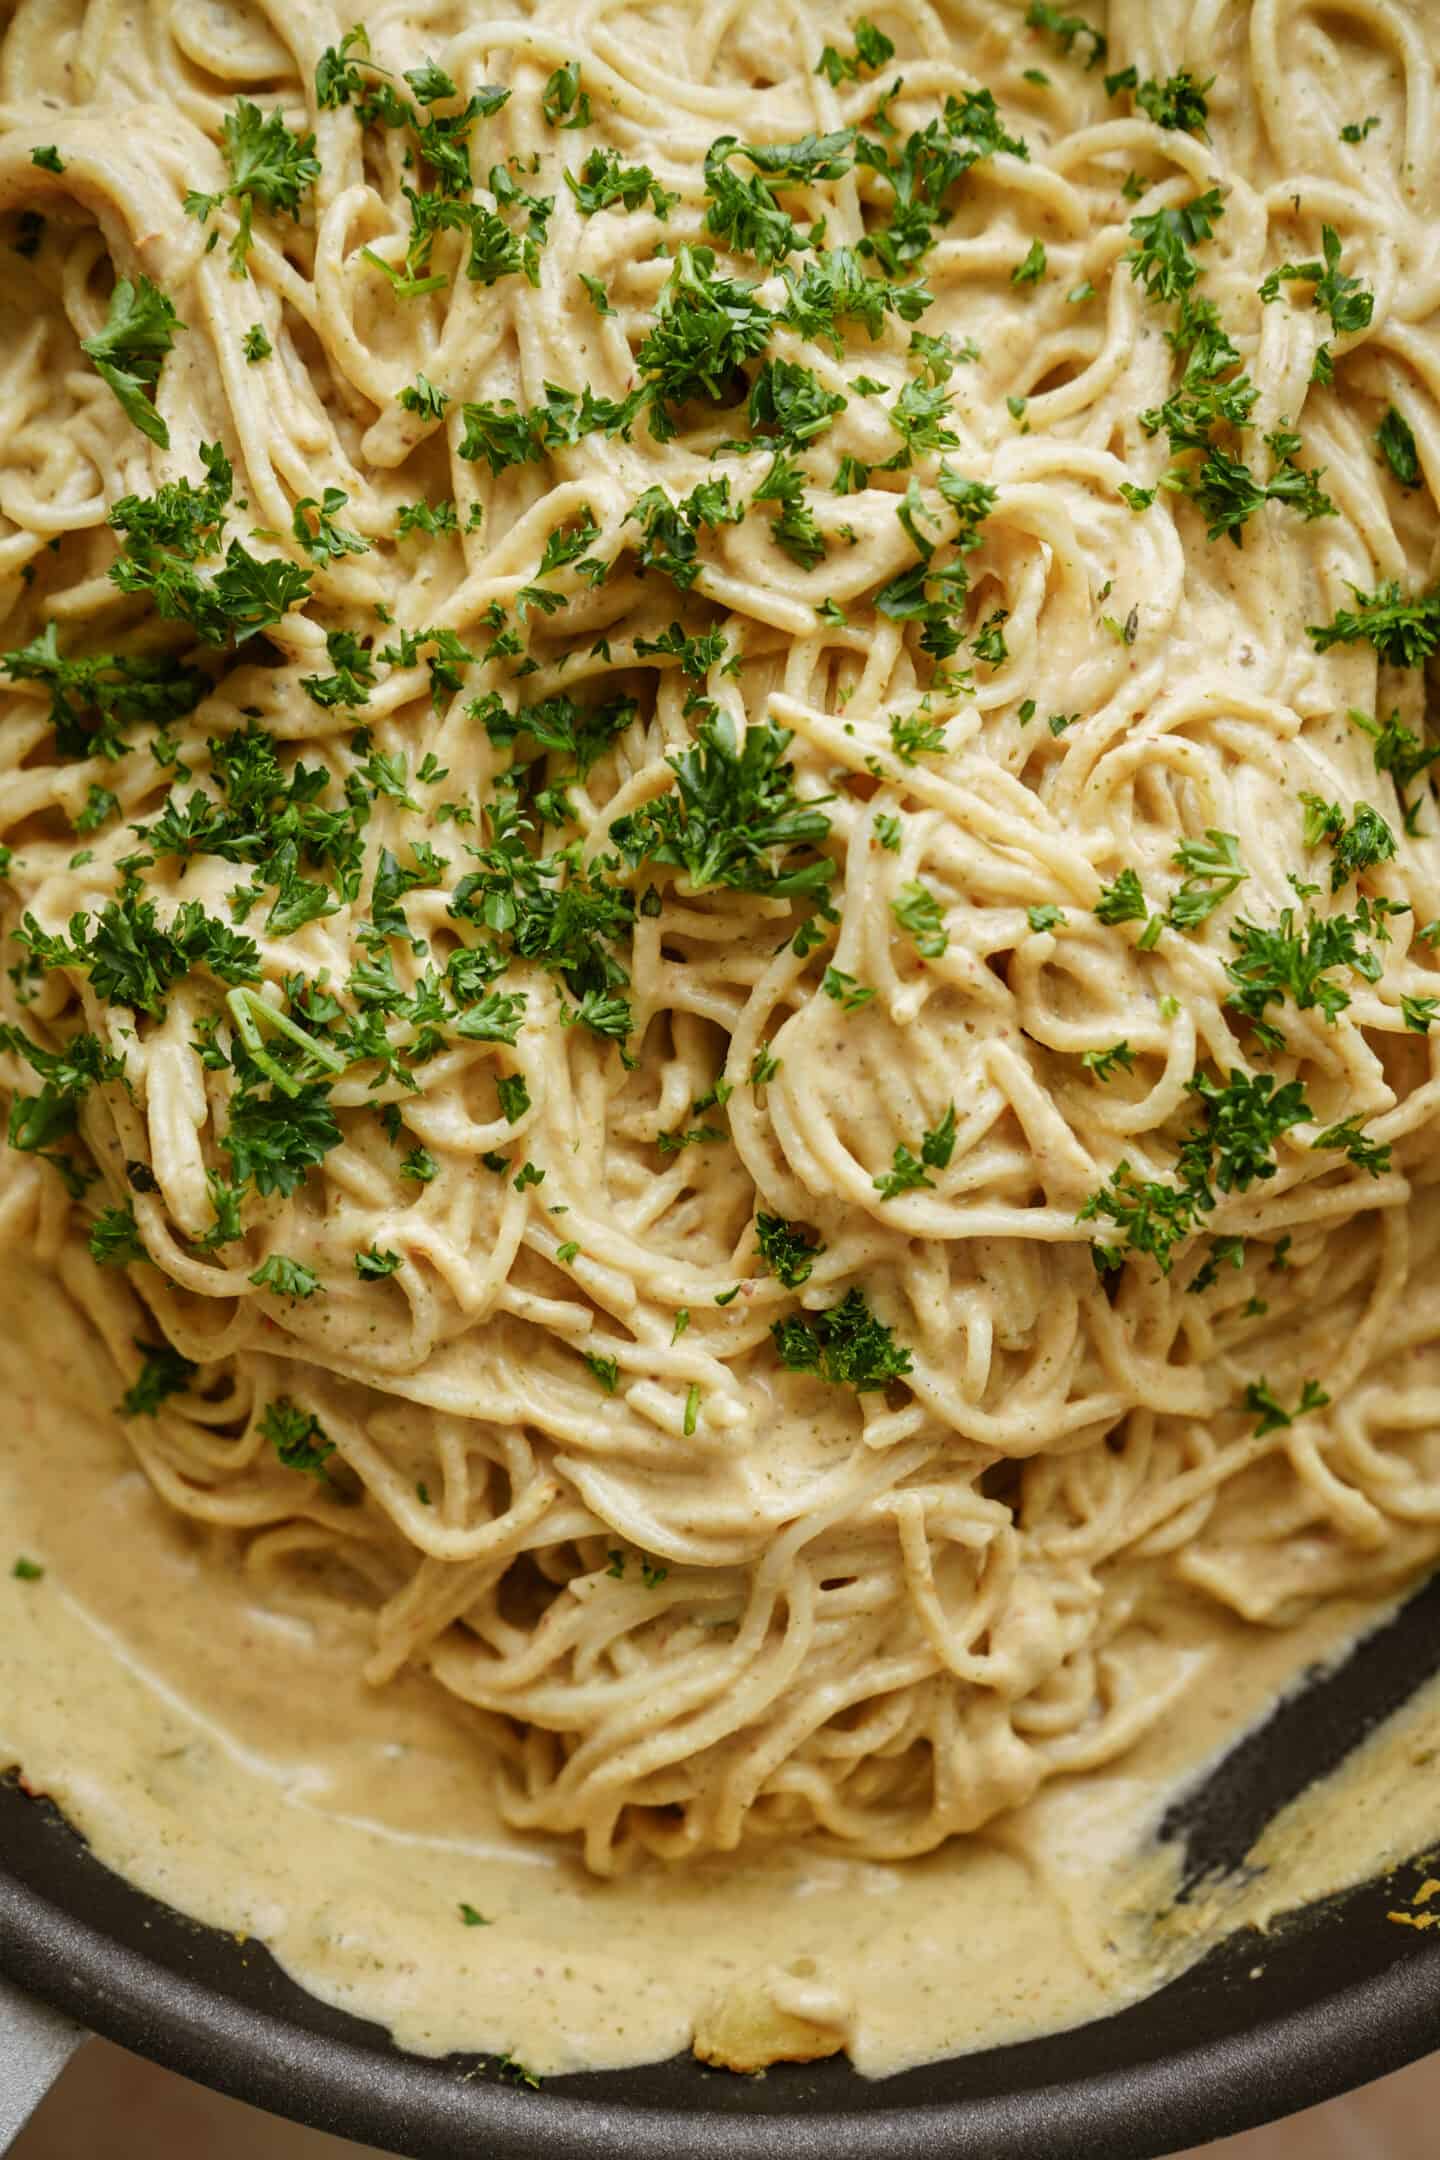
[(721, 877)]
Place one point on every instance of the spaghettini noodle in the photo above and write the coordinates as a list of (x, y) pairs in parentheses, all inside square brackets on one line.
[(527, 1348)]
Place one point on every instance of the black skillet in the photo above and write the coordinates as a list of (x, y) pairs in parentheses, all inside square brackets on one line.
[(1335, 1996)]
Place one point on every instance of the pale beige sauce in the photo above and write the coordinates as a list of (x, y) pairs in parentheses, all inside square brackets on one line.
[(232, 1763)]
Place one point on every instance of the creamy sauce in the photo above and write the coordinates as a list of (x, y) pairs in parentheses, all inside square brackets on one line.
[(1080, 1512), (232, 1763)]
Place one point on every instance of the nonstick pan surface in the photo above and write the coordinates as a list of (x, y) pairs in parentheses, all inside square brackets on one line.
[(1334, 1996)]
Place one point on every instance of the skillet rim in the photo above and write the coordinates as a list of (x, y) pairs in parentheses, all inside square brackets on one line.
[(365, 2089)]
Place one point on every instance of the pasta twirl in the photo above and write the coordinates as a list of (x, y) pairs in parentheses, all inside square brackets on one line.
[(721, 880)]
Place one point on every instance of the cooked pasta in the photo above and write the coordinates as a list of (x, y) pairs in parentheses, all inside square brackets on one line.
[(721, 879)]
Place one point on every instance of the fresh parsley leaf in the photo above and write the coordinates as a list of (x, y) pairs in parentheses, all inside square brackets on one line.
[(743, 211), (918, 911), (833, 287), (1366, 841), (1404, 632), (704, 327), (286, 1277), (846, 992), (1162, 260), (95, 699), (1347, 1138), (514, 1096), (1271, 1415), (872, 50), (423, 398), (937, 1145), (1033, 268), (1104, 1064), (1153, 1216), (1066, 28), (297, 1436), (789, 402), (787, 1250), (1214, 870), (846, 1344), (337, 77), (1123, 901), (906, 1174), (1276, 961), (269, 164), (273, 1140), (794, 525), (115, 1239), (163, 1373), (132, 958), (733, 818), (1348, 303), (127, 354), (563, 102), (169, 533), (1179, 102), (1395, 440), (605, 1369), (603, 181)]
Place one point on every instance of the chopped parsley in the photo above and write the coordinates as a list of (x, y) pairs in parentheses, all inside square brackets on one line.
[(127, 354), (115, 1239), (603, 181), (169, 534), (1404, 632), (1395, 440), (1065, 28), (297, 1436), (705, 326), (604, 1369), (1346, 300), (872, 50), (286, 1277), (1177, 103), (163, 1373), (918, 911), (1033, 268), (846, 992), (1104, 1064), (846, 1344), (95, 700), (787, 1250), (733, 817), (563, 102), (269, 165), (1275, 962), (1271, 1416)]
